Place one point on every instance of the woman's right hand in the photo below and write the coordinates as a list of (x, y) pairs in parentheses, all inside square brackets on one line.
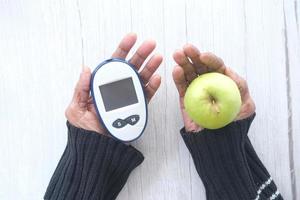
[(191, 64), (81, 111)]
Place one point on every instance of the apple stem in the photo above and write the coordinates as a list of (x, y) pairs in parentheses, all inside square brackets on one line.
[(215, 106)]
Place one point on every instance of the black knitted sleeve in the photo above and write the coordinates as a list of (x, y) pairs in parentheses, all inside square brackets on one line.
[(93, 166), (228, 165)]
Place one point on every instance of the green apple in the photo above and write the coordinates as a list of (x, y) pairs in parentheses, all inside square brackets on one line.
[(212, 100)]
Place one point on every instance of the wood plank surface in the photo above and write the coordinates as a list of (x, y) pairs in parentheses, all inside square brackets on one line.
[(44, 44), (267, 78), (292, 48), (40, 52)]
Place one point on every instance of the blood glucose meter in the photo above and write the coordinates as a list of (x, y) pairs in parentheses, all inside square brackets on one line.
[(119, 99)]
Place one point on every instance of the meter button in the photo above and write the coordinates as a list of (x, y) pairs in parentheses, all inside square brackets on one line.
[(119, 123), (133, 119)]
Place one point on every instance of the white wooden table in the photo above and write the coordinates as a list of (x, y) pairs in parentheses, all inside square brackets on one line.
[(44, 43)]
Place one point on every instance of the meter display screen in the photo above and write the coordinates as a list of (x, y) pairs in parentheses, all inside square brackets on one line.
[(118, 94)]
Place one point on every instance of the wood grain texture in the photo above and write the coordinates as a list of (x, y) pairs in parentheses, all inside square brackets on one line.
[(40, 49), (292, 44), (43, 46), (266, 75)]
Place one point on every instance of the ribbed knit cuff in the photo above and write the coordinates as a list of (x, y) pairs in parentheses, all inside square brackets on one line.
[(220, 160), (93, 166), (266, 187)]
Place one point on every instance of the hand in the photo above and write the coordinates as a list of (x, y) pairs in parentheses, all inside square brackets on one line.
[(192, 63), (81, 111)]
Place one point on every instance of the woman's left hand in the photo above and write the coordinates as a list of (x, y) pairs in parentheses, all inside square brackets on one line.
[(190, 64)]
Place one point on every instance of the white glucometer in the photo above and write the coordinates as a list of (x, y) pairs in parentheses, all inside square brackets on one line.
[(119, 99)]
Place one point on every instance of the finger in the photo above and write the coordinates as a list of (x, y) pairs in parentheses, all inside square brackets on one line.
[(152, 86), (125, 45), (181, 59), (82, 89), (142, 53), (179, 80), (240, 82), (150, 68), (213, 62), (194, 54)]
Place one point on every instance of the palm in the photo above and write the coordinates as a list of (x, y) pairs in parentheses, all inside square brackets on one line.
[(81, 111), (192, 64)]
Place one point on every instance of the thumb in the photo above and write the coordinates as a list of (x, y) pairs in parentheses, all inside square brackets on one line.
[(240, 82), (82, 89)]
